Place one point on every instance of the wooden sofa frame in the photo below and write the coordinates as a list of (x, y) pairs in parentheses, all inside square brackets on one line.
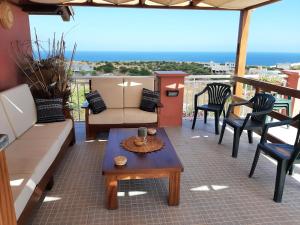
[(47, 181), (92, 129)]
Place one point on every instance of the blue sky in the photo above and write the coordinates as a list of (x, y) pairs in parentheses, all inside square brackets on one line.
[(274, 28)]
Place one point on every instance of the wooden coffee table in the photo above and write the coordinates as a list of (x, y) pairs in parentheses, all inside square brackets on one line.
[(162, 163)]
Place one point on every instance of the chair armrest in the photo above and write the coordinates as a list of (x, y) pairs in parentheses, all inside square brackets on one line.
[(260, 113), (197, 95), (3, 141), (270, 125), (278, 124), (232, 105), (201, 92), (239, 103), (85, 105)]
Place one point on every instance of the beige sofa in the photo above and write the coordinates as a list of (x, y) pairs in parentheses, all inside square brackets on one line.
[(122, 96), (33, 150)]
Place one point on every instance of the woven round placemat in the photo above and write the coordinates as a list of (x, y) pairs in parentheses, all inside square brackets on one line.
[(153, 144)]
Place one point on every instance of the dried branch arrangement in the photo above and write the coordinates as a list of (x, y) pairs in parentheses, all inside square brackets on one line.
[(47, 72)]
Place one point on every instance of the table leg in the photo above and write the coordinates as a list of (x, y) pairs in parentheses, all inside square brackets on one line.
[(174, 188), (111, 183)]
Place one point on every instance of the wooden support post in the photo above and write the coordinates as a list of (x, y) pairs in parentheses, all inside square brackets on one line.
[(241, 53), (7, 210)]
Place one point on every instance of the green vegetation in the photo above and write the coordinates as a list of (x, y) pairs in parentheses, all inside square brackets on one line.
[(273, 79), (137, 68), (106, 68)]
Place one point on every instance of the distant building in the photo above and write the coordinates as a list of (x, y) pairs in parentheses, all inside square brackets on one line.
[(217, 68), (284, 66), (262, 71), (82, 66)]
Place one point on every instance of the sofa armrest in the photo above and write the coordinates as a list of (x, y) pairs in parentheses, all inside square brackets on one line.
[(3, 141), (67, 112)]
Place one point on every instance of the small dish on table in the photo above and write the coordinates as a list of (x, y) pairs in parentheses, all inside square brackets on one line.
[(151, 131)]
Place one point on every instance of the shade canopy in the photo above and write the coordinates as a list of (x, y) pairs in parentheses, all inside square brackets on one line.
[(192, 4)]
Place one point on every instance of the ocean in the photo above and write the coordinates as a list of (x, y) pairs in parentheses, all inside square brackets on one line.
[(253, 58)]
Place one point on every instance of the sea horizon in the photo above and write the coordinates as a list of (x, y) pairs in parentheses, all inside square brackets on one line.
[(253, 58)]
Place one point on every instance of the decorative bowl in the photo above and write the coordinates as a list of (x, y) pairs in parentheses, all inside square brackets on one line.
[(151, 131), (139, 141), (120, 160)]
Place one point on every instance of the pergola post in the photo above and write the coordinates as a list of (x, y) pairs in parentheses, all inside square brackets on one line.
[(241, 53)]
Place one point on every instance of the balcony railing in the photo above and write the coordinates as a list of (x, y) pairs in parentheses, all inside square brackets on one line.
[(193, 85)]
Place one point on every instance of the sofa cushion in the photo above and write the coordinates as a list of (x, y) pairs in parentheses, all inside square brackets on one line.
[(49, 131), (5, 127), (135, 115), (22, 188), (49, 110), (133, 87), (109, 116), (32, 159), (96, 103), (30, 156), (110, 89), (20, 108), (150, 99)]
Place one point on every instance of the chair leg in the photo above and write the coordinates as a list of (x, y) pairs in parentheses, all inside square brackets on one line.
[(236, 142), (195, 118), (222, 132), (291, 170), (255, 160), (224, 113), (280, 180), (205, 116), (217, 117), (250, 136)]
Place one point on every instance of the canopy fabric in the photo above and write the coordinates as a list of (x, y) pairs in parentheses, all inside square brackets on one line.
[(201, 4)]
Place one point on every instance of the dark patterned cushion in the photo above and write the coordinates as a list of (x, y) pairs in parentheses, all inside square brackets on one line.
[(96, 102), (150, 99), (49, 110)]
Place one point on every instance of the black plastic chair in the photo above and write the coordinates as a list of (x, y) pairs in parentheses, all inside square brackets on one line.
[(285, 155), (262, 104), (217, 95)]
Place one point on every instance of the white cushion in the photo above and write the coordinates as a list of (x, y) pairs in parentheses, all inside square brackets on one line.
[(133, 87), (20, 108), (110, 89), (22, 188), (5, 127), (30, 156), (135, 115), (33, 158), (109, 116), (55, 131)]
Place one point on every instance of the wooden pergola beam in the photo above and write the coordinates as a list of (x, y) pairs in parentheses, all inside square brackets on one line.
[(241, 52), (262, 4), (143, 6)]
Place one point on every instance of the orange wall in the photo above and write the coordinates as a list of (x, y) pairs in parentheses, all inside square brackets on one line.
[(293, 81), (170, 114), (10, 75)]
